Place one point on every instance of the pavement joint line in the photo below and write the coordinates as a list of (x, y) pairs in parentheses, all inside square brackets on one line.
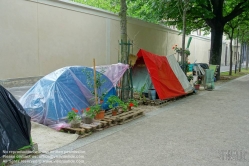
[(79, 143)]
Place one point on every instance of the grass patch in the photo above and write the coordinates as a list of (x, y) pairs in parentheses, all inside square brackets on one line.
[(226, 76)]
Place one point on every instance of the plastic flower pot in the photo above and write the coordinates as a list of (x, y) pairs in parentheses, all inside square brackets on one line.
[(87, 120), (75, 125)]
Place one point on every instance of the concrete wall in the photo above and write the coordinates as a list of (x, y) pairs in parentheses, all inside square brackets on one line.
[(40, 36)]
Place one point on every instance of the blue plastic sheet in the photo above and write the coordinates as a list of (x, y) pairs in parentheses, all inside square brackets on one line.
[(52, 97)]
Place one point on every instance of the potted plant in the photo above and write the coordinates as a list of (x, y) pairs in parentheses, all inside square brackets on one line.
[(132, 103), (197, 84), (73, 118), (190, 77), (86, 119), (115, 102), (141, 94), (95, 111)]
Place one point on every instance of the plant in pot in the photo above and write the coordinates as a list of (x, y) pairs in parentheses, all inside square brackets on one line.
[(73, 118), (141, 94), (197, 84), (114, 102), (190, 77), (95, 111), (132, 103), (87, 119), (98, 90)]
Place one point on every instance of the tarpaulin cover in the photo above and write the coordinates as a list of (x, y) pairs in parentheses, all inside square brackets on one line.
[(209, 79), (52, 97), (114, 71), (15, 124), (140, 78), (166, 75)]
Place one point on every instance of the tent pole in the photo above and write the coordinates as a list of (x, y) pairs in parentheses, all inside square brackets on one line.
[(95, 86)]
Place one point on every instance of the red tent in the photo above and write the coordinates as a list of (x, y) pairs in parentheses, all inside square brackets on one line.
[(165, 73)]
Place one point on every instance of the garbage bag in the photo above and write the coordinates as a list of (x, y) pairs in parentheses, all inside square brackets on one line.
[(15, 125)]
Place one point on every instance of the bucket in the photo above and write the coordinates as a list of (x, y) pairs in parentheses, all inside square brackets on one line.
[(152, 94)]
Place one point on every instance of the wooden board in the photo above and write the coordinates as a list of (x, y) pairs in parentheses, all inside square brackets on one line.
[(130, 115), (79, 131), (157, 102), (108, 121)]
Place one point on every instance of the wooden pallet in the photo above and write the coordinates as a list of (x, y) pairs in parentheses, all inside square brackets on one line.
[(157, 102), (103, 123), (129, 115), (79, 131), (96, 125), (84, 129), (108, 121), (112, 120)]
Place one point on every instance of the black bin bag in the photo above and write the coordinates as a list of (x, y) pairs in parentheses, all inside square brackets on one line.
[(15, 125)]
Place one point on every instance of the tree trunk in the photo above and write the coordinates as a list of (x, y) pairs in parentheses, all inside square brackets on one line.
[(123, 30), (183, 39), (236, 54), (231, 56), (247, 56), (244, 54), (216, 46), (240, 57), (226, 56), (124, 54)]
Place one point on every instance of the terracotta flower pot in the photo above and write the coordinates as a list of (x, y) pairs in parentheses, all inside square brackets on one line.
[(100, 115), (129, 108), (197, 86), (114, 112)]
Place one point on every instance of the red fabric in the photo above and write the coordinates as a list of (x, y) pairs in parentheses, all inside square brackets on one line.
[(163, 78)]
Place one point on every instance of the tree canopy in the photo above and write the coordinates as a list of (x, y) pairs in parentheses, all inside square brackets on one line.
[(208, 15), (110, 5)]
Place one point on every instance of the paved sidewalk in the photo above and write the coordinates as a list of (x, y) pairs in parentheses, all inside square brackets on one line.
[(225, 68), (208, 129), (18, 91)]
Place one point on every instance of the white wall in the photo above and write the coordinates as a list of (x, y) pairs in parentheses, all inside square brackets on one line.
[(40, 36)]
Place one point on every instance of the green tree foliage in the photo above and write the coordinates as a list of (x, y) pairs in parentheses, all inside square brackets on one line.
[(230, 29), (244, 39), (237, 29), (110, 5), (210, 15)]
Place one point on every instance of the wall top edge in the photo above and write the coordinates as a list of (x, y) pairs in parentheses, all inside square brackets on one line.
[(163, 28), (70, 5)]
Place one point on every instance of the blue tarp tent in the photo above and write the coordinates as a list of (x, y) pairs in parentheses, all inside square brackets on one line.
[(53, 96)]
